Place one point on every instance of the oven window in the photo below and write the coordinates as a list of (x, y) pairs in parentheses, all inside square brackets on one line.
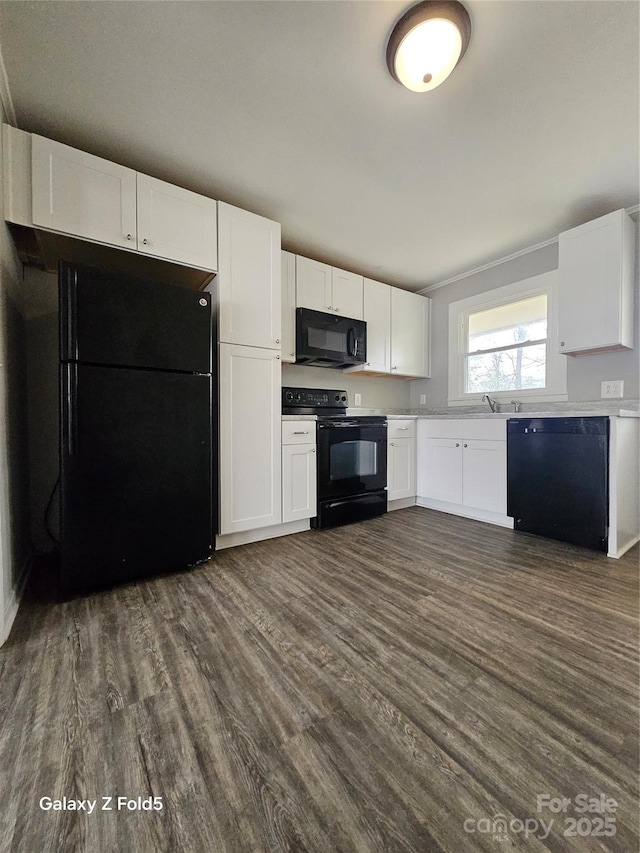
[(350, 459), (328, 340)]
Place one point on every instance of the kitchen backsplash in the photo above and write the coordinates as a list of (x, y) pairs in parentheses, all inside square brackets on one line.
[(375, 392)]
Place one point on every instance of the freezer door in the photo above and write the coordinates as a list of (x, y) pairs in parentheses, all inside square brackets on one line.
[(136, 486), (110, 318)]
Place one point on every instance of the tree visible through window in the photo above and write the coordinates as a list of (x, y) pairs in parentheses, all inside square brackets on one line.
[(506, 346)]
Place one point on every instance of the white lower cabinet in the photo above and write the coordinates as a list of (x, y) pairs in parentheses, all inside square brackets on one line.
[(299, 470), (401, 460), (462, 468), (484, 474), (250, 438)]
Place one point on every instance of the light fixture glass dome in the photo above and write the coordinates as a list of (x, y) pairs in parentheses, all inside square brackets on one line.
[(427, 43)]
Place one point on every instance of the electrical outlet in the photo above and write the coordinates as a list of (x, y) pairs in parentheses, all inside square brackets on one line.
[(611, 388), (423, 399), (357, 399)]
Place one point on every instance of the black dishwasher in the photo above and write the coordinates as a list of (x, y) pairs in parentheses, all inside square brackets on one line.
[(557, 478)]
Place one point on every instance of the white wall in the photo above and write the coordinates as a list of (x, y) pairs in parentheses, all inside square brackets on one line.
[(376, 393), (584, 374), (15, 548)]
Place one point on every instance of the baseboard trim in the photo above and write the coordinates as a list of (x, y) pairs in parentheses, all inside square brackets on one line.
[(400, 503), (466, 512), (13, 603), (246, 537), (629, 543)]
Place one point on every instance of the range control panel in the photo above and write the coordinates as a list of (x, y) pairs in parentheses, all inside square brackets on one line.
[(314, 400)]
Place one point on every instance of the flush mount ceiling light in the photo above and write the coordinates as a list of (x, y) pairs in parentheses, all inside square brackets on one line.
[(427, 43)]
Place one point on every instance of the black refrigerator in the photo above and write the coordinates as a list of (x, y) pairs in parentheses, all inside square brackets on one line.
[(136, 495)]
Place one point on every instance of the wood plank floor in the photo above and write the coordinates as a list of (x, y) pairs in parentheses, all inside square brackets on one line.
[(388, 686)]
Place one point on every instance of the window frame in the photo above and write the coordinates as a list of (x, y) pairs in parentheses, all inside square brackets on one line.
[(555, 388)]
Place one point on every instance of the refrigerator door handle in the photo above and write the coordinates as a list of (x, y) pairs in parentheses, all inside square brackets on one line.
[(71, 407)]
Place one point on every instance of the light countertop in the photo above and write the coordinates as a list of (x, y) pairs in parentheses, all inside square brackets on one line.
[(456, 413)]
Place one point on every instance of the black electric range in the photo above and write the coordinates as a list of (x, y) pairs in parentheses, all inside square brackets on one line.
[(352, 456)]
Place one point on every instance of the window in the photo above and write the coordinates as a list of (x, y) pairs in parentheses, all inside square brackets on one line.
[(502, 343)]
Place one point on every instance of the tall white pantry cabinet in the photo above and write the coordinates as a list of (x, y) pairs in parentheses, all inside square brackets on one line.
[(249, 292)]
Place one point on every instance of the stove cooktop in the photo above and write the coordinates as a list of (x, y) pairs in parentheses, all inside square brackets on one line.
[(328, 405)]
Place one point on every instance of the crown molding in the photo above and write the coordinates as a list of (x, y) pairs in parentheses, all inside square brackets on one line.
[(630, 210), (5, 95), (488, 266)]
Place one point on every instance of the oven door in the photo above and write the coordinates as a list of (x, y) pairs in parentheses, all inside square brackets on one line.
[(352, 458), (328, 340)]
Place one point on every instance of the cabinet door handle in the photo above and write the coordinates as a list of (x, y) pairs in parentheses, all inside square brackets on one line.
[(128, 236), (403, 428), (561, 343), (145, 242), (278, 357), (392, 444), (277, 340), (313, 450), (465, 445), (301, 432), (457, 444)]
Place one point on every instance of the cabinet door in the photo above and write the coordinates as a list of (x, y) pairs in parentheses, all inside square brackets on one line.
[(484, 475), (401, 469), (248, 278), (79, 194), (176, 224), (377, 314), (347, 294), (410, 314), (250, 438), (441, 470), (298, 482), (596, 283), (313, 285), (288, 262)]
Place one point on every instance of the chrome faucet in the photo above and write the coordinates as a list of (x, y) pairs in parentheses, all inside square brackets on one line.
[(516, 405), (492, 403)]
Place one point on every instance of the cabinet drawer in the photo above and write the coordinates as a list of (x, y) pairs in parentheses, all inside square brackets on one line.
[(298, 432), (401, 429), (474, 428)]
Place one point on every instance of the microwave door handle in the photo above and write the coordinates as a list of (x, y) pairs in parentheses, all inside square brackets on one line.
[(351, 343)]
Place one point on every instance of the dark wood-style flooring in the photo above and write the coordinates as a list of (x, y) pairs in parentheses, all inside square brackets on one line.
[(368, 688)]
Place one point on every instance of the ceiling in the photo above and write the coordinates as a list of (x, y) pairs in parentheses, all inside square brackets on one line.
[(287, 109)]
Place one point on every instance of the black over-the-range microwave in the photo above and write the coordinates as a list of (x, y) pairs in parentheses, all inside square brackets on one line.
[(328, 340)]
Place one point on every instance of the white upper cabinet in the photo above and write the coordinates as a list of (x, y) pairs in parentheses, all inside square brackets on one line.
[(249, 284), (596, 264), (288, 263), (83, 195), (377, 314), (176, 223), (347, 299), (329, 289), (314, 288), (410, 348)]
